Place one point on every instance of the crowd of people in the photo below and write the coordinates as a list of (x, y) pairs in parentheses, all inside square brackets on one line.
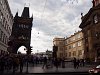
[(12, 62), (77, 63), (15, 62)]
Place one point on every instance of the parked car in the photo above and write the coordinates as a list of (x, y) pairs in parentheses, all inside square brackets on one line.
[(95, 71)]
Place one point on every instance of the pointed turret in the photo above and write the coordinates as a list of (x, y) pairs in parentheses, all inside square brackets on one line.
[(25, 12), (16, 14), (32, 16)]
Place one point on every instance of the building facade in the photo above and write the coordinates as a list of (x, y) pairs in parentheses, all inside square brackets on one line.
[(6, 22), (74, 46), (90, 26), (70, 47), (21, 32), (60, 43)]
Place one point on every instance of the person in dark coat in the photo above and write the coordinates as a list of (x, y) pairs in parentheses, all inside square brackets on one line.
[(75, 63), (21, 63), (63, 62), (44, 62), (56, 63)]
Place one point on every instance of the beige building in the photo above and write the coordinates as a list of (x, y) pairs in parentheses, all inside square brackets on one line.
[(70, 47), (74, 46), (60, 42), (6, 22)]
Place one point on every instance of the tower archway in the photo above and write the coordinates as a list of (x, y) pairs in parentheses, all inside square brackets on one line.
[(21, 31), (22, 50)]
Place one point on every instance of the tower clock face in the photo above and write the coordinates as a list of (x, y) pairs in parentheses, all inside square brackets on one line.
[(95, 19)]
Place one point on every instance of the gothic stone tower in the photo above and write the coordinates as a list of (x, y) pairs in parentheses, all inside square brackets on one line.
[(21, 32)]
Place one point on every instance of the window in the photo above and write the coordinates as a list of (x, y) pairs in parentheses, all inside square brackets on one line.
[(95, 19), (26, 26), (80, 52), (61, 54), (66, 54), (74, 53), (6, 40), (66, 42), (79, 43), (61, 48), (78, 35), (3, 6), (3, 38), (69, 54), (65, 48), (73, 38), (97, 34), (0, 34), (1, 17), (69, 47), (73, 45), (1, 2)]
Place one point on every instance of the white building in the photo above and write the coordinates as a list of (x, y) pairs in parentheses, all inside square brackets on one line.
[(6, 22)]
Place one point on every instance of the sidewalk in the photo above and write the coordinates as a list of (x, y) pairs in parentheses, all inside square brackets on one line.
[(38, 69)]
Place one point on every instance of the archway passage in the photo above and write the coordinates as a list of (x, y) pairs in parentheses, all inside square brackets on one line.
[(22, 50), (21, 32)]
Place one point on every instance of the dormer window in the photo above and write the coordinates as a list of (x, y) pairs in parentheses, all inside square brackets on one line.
[(95, 19)]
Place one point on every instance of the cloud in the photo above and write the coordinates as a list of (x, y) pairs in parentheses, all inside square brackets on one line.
[(59, 18)]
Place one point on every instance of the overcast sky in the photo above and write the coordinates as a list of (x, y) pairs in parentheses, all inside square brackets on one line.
[(51, 18)]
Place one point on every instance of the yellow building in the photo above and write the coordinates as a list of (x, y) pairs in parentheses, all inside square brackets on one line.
[(60, 43), (70, 47), (74, 46)]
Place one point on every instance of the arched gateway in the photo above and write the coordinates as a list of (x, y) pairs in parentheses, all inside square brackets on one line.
[(21, 32)]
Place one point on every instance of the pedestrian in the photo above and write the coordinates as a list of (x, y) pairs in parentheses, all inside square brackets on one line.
[(2, 63), (77, 63), (15, 63), (63, 63), (56, 63), (82, 61), (44, 62), (74, 62), (21, 63)]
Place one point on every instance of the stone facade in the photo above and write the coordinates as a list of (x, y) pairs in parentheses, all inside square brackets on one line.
[(21, 32), (60, 43), (91, 30), (74, 46), (6, 22), (70, 47)]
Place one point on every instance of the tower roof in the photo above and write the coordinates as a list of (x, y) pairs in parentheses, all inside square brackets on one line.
[(25, 12)]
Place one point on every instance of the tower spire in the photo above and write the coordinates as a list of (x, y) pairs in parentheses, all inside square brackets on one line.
[(16, 14), (25, 12)]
